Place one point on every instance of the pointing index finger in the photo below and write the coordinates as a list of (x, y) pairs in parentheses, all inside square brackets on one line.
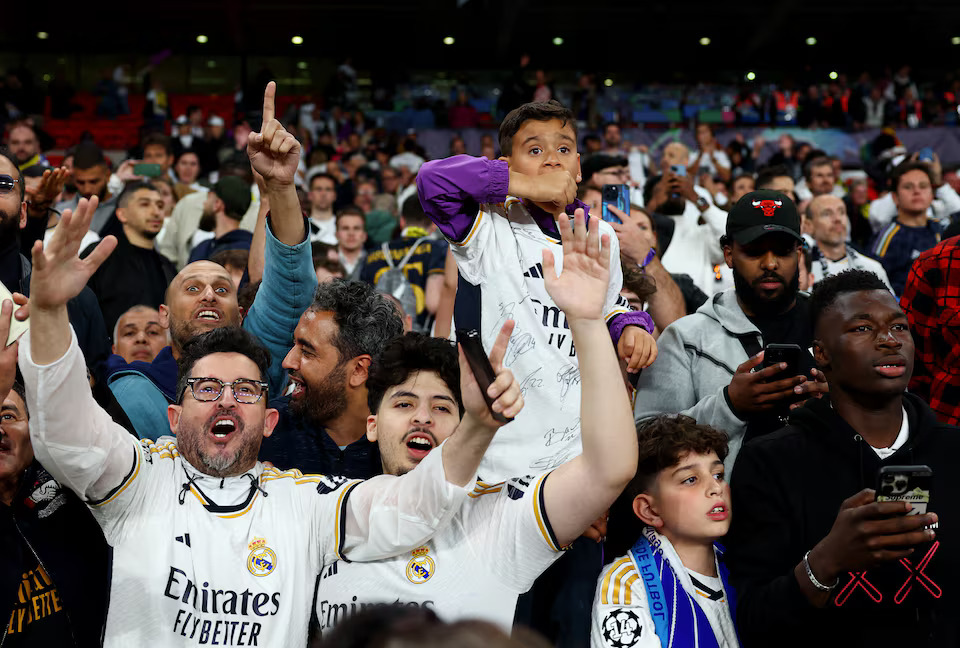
[(269, 96)]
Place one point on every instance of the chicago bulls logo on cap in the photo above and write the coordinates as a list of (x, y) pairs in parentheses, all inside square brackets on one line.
[(768, 206)]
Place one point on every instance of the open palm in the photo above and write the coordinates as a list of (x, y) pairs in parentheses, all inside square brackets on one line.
[(581, 288), (58, 273)]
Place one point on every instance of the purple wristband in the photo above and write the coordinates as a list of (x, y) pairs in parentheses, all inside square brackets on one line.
[(631, 318)]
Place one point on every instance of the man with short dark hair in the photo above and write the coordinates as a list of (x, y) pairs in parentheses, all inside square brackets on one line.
[(819, 178), (912, 232), (777, 178), (223, 209), (322, 195), (90, 176), (351, 237), (158, 149), (870, 574), (706, 364), (322, 426), (135, 273)]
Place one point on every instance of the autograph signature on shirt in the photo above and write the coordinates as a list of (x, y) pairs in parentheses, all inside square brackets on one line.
[(570, 433), (531, 382), (568, 377)]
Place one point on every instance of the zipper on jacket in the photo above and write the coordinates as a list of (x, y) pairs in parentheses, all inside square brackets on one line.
[(49, 573)]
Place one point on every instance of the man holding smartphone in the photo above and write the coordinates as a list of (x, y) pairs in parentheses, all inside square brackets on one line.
[(710, 364), (868, 575)]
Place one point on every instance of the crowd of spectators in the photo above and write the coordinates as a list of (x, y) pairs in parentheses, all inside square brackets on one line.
[(730, 355)]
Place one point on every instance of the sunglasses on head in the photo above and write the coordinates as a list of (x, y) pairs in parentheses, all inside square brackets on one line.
[(7, 183)]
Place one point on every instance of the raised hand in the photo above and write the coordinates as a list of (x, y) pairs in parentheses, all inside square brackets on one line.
[(58, 273), (51, 184), (8, 353), (581, 288), (505, 390), (274, 153)]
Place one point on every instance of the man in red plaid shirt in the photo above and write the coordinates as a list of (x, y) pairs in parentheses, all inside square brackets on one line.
[(931, 301)]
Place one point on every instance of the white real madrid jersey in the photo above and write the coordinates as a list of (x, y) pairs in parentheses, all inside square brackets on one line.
[(501, 259), (473, 568), (204, 561)]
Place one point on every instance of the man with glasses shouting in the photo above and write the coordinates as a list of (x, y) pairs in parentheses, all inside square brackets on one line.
[(211, 547)]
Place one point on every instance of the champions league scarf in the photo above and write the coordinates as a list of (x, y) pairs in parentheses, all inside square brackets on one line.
[(678, 618)]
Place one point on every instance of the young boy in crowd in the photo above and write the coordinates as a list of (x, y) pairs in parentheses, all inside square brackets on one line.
[(499, 215), (671, 588)]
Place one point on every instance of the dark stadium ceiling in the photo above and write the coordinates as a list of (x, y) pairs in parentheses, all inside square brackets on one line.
[(653, 39)]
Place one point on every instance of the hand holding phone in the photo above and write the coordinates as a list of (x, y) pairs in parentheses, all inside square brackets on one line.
[(905, 484), (469, 340), (617, 195), (774, 354)]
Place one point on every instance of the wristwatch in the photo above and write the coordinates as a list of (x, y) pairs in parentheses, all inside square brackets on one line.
[(813, 579), (702, 203)]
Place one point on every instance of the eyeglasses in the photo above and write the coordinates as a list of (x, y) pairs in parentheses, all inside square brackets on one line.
[(7, 183), (245, 391)]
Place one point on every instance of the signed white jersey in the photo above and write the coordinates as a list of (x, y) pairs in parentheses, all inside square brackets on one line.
[(473, 568), (199, 560), (502, 259)]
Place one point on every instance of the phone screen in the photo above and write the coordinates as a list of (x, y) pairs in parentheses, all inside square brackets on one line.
[(617, 195)]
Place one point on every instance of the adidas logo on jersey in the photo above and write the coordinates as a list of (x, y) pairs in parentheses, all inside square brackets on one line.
[(535, 272)]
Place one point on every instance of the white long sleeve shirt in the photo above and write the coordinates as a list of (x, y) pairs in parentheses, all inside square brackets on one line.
[(200, 560)]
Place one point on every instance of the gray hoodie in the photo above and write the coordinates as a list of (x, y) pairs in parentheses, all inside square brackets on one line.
[(698, 355)]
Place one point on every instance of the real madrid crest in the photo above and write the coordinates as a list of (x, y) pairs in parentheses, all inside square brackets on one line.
[(421, 566), (262, 560)]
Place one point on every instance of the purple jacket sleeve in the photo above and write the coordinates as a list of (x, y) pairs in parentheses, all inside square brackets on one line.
[(451, 191), (630, 318)]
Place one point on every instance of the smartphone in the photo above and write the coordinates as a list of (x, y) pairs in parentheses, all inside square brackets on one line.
[(925, 154), (469, 340), (679, 169), (617, 195), (774, 354), (147, 170), (906, 484), (17, 328)]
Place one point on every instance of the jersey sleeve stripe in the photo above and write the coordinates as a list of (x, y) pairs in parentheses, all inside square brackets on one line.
[(134, 471), (614, 313), (628, 587), (541, 513), (886, 239), (341, 519), (473, 230), (605, 585), (618, 583)]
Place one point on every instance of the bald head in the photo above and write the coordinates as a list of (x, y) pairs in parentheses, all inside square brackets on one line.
[(826, 220), (200, 298), (675, 153)]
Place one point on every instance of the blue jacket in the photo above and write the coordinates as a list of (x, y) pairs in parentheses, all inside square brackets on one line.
[(297, 444), (287, 289)]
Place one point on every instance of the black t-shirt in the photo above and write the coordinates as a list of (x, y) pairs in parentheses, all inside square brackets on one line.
[(792, 327), (38, 617)]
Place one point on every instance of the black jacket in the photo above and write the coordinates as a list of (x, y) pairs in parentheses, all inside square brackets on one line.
[(787, 489), (297, 444), (70, 545)]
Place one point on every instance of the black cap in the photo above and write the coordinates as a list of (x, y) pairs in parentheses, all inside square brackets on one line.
[(235, 194), (763, 212)]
